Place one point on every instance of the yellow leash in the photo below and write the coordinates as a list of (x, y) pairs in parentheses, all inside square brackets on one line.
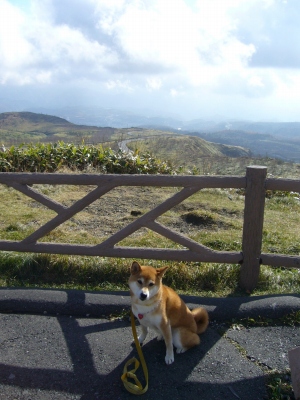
[(135, 388)]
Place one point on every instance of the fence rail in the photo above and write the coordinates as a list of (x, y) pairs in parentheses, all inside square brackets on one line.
[(250, 257)]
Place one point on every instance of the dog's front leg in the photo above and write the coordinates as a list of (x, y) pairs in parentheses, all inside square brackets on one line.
[(143, 335), (167, 334)]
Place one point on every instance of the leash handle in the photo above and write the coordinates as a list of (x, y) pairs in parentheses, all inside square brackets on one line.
[(135, 388)]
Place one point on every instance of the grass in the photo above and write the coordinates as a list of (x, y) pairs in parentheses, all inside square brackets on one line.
[(93, 273), (279, 386), (214, 217)]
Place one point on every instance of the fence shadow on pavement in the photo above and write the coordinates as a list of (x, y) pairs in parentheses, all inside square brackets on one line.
[(97, 350)]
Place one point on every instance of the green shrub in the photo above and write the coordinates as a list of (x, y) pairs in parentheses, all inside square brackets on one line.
[(53, 156)]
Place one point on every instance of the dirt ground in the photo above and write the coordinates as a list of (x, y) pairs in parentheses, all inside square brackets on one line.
[(124, 205)]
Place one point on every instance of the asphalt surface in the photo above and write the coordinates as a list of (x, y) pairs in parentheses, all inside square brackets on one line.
[(73, 345)]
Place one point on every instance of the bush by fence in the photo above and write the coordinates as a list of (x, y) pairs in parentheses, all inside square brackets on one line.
[(53, 156)]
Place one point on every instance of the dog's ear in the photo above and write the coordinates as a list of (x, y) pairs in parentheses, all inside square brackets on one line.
[(161, 271), (135, 268)]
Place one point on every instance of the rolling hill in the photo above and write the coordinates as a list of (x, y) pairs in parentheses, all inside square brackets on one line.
[(22, 127), (195, 154), (187, 150), (42, 127), (260, 144), (28, 126)]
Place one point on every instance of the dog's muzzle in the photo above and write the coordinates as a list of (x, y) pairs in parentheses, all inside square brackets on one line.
[(143, 296)]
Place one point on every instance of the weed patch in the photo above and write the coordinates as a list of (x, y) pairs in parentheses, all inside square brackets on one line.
[(279, 386)]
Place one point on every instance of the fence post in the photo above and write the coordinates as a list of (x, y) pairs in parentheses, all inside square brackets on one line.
[(253, 225)]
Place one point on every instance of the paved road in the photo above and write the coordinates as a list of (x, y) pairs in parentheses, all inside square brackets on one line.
[(62, 345), (123, 145)]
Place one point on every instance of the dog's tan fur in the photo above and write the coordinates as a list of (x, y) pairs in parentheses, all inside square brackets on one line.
[(157, 306)]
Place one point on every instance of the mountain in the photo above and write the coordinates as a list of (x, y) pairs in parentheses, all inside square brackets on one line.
[(120, 118), (275, 140), (289, 130), (115, 118), (260, 144), (27, 126), (19, 119), (42, 127)]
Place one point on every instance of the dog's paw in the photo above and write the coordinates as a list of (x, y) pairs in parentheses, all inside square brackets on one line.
[(141, 339), (180, 350), (169, 359)]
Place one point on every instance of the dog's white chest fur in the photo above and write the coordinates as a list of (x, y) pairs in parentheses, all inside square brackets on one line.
[(146, 315)]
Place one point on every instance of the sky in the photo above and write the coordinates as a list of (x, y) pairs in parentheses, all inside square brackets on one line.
[(189, 59)]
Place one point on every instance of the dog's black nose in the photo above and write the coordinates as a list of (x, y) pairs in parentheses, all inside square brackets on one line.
[(143, 296)]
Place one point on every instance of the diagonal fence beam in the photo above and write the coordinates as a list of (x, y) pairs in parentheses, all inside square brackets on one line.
[(41, 198), (68, 213), (149, 216), (179, 239)]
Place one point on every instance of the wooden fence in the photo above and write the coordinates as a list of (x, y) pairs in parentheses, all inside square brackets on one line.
[(250, 257)]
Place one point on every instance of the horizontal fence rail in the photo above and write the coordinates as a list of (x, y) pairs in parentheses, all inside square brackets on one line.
[(250, 257)]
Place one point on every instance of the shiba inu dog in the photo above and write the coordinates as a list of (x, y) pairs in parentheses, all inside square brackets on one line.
[(158, 307)]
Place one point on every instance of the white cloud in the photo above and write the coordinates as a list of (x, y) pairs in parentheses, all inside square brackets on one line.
[(33, 49), (153, 83), (180, 50), (14, 48), (173, 34), (119, 84)]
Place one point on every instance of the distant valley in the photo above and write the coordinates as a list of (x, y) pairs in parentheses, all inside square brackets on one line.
[(274, 140), (279, 139), (263, 145), (118, 118), (27, 126)]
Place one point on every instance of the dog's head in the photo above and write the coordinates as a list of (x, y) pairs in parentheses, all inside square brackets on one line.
[(145, 281)]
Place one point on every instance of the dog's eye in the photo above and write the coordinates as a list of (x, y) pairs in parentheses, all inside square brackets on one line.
[(151, 284), (140, 281)]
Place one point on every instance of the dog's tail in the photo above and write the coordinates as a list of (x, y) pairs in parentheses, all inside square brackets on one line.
[(201, 318)]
